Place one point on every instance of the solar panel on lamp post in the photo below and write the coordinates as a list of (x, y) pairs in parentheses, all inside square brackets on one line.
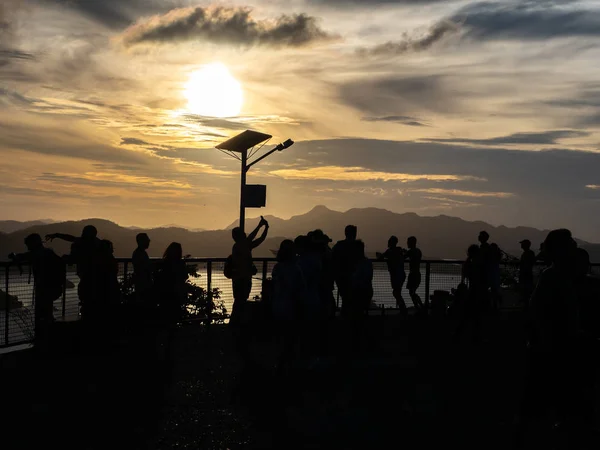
[(242, 144)]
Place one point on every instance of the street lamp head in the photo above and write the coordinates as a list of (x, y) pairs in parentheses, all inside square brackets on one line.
[(286, 144)]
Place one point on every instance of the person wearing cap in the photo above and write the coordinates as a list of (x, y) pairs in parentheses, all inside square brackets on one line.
[(526, 270)]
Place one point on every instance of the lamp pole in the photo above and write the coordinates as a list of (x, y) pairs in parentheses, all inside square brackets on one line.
[(243, 188), (246, 167)]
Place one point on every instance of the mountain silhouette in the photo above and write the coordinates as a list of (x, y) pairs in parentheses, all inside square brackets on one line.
[(440, 237), (10, 226)]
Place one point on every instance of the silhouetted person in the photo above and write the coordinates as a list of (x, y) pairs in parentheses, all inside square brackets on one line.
[(394, 257), (289, 291), (49, 277), (243, 268), (309, 262), (474, 273), (588, 299), (108, 283), (414, 257), (361, 293), (494, 278), (343, 263), (526, 270), (553, 340), (84, 253), (321, 241), (142, 270), (170, 283)]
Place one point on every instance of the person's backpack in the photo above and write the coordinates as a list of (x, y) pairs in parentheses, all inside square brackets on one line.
[(56, 274), (228, 268)]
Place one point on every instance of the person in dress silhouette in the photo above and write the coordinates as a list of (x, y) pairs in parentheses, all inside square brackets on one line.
[(394, 257), (343, 263), (243, 268)]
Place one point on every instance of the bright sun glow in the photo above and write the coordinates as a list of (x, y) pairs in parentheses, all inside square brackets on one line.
[(212, 91)]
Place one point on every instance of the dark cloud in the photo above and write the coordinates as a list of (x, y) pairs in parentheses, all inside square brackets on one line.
[(404, 120), (438, 32), (227, 26), (15, 54), (215, 123), (542, 138), (115, 14), (402, 96), (528, 20), (133, 141), (371, 3)]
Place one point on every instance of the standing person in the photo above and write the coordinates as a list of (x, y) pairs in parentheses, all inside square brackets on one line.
[(526, 270), (394, 256), (343, 263), (142, 270), (289, 291), (327, 314), (474, 274), (84, 253), (361, 293), (310, 264), (49, 275), (494, 278), (551, 373), (414, 257), (170, 283), (242, 267)]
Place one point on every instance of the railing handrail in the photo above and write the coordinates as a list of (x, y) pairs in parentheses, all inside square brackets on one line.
[(272, 259)]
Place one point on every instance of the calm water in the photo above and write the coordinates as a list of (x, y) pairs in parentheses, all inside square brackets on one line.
[(19, 286)]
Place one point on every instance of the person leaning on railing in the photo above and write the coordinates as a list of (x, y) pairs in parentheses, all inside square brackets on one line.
[(49, 274)]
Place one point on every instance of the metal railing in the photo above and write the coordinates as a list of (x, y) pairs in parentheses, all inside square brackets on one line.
[(17, 289)]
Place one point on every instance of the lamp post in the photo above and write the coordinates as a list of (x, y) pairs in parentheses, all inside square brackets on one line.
[(244, 144)]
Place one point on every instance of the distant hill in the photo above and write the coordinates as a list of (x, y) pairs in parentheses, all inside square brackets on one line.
[(10, 226), (440, 237)]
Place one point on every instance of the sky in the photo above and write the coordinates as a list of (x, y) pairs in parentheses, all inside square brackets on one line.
[(482, 110)]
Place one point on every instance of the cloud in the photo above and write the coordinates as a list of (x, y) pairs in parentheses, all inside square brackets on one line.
[(337, 173), (404, 120), (461, 193), (593, 186), (402, 96), (528, 20), (542, 138), (436, 33), (224, 25)]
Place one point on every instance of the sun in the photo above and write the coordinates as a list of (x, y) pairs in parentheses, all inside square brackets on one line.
[(213, 91)]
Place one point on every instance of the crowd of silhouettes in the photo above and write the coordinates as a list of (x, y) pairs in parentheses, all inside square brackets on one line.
[(562, 308)]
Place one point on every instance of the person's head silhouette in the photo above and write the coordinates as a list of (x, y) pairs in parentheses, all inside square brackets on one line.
[(560, 246), (359, 249), (301, 244), (107, 247), (287, 251), (411, 242), (89, 232), (351, 231), (484, 237), (143, 241), (33, 242), (525, 244), (238, 235), (174, 252), (392, 242), (473, 251)]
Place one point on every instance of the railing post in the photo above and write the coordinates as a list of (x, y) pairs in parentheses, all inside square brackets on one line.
[(427, 284), (7, 307), (209, 291)]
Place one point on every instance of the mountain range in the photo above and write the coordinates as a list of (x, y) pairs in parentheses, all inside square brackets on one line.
[(440, 237)]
